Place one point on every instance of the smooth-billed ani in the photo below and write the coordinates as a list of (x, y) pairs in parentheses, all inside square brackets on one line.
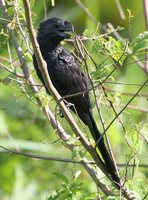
[(68, 79)]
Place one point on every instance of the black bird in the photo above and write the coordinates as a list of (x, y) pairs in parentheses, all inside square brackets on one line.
[(68, 78)]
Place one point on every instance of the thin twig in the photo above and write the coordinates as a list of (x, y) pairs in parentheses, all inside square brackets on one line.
[(133, 107), (86, 10), (127, 104), (120, 9), (109, 90), (145, 196), (129, 84), (41, 157), (9, 21), (58, 159)]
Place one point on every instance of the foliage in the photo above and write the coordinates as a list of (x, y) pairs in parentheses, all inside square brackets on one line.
[(116, 49), (140, 43), (71, 190)]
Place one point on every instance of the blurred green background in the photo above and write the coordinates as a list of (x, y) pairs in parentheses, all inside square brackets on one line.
[(24, 126)]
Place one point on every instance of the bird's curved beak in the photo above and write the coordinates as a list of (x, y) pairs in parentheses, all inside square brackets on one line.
[(68, 27)]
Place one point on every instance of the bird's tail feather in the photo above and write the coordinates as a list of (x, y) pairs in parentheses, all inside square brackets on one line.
[(103, 150)]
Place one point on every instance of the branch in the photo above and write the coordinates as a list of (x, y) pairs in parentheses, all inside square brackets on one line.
[(109, 90), (41, 157), (58, 159), (86, 10), (133, 107), (120, 9)]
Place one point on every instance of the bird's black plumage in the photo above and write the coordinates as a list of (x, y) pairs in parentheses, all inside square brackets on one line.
[(68, 78)]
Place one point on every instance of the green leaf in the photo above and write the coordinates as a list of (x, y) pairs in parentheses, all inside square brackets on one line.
[(3, 37), (10, 11), (87, 32), (135, 137), (32, 3), (98, 46), (61, 176), (28, 56), (140, 43), (130, 14), (117, 49), (77, 174)]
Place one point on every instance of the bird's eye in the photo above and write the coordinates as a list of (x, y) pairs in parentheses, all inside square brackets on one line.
[(58, 22)]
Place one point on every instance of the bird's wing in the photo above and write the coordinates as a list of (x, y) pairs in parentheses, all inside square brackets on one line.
[(71, 80)]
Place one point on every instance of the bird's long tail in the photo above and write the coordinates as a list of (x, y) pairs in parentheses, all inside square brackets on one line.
[(103, 150)]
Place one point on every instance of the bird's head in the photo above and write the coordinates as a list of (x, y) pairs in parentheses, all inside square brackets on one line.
[(55, 28)]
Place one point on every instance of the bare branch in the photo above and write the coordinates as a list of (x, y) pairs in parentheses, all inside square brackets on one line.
[(58, 159), (120, 9), (86, 10)]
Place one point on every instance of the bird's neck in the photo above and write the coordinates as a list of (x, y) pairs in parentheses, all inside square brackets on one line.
[(48, 45)]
